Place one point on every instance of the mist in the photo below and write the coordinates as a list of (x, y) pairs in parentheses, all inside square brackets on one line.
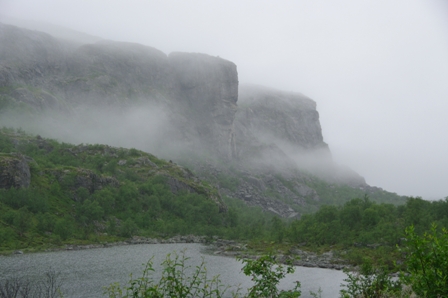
[(377, 71), (145, 127)]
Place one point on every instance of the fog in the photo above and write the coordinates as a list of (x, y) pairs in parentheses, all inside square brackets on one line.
[(147, 127), (378, 70)]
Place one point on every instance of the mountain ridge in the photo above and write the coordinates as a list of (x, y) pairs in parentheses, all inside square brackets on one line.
[(178, 105)]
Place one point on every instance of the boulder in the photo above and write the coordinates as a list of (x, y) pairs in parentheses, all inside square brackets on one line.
[(14, 171)]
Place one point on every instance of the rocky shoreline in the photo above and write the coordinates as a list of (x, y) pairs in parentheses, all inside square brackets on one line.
[(228, 248), (298, 257)]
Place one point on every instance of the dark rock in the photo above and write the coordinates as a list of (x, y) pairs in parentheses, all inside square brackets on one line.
[(14, 171), (84, 178), (176, 185)]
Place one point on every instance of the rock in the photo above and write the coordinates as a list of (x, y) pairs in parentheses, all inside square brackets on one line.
[(207, 89), (14, 171), (176, 185), (85, 178), (145, 162)]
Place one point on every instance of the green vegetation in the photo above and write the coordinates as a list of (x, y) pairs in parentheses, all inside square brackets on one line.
[(177, 281), (97, 193), (426, 262), (424, 272), (338, 194)]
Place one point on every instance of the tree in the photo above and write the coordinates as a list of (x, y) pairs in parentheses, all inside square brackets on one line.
[(426, 260), (22, 221), (266, 274), (64, 228)]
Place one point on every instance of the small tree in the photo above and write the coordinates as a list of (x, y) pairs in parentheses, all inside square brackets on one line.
[(370, 282), (267, 274), (426, 261)]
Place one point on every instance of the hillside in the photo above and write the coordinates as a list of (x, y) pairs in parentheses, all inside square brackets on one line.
[(52, 192)]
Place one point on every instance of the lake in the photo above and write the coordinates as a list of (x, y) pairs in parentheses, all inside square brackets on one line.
[(86, 272)]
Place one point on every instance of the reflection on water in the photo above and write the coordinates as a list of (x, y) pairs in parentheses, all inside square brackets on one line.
[(86, 272)]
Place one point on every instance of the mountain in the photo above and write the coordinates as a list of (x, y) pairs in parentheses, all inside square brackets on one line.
[(261, 145)]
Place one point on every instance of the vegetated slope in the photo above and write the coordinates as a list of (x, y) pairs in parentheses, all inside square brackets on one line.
[(260, 145), (53, 192)]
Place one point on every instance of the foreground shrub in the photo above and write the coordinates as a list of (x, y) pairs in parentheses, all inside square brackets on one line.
[(19, 287), (266, 274), (370, 282), (426, 260), (425, 271), (178, 280)]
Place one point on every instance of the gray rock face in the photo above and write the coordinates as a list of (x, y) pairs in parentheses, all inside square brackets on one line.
[(179, 186), (14, 171), (278, 115), (207, 88), (270, 120), (278, 131), (114, 73), (198, 91)]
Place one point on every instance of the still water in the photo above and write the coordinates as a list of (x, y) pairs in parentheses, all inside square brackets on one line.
[(86, 272)]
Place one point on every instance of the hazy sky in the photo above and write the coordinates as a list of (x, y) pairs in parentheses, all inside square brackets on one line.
[(377, 69)]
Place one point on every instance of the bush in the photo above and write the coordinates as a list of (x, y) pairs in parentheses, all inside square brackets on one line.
[(266, 274), (128, 228), (48, 287), (175, 282), (370, 282), (425, 272), (426, 260), (64, 228)]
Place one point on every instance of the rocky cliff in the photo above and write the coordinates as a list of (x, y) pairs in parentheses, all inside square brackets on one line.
[(198, 92), (280, 125)]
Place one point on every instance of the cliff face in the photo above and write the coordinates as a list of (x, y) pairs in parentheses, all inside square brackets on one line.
[(291, 117), (198, 91), (271, 122), (207, 89)]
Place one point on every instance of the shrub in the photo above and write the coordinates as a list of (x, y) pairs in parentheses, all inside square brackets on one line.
[(176, 282), (426, 261), (266, 274), (370, 282)]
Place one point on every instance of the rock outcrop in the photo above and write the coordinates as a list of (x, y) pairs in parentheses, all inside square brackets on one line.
[(283, 125), (279, 116), (77, 178), (279, 131), (14, 171)]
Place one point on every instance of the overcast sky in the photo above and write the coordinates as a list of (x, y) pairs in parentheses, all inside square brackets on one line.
[(378, 69)]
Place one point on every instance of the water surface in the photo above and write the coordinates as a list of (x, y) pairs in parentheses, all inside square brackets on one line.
[(86, 272)]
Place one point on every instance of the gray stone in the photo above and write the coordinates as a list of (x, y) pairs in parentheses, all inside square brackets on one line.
[(14, 171)]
